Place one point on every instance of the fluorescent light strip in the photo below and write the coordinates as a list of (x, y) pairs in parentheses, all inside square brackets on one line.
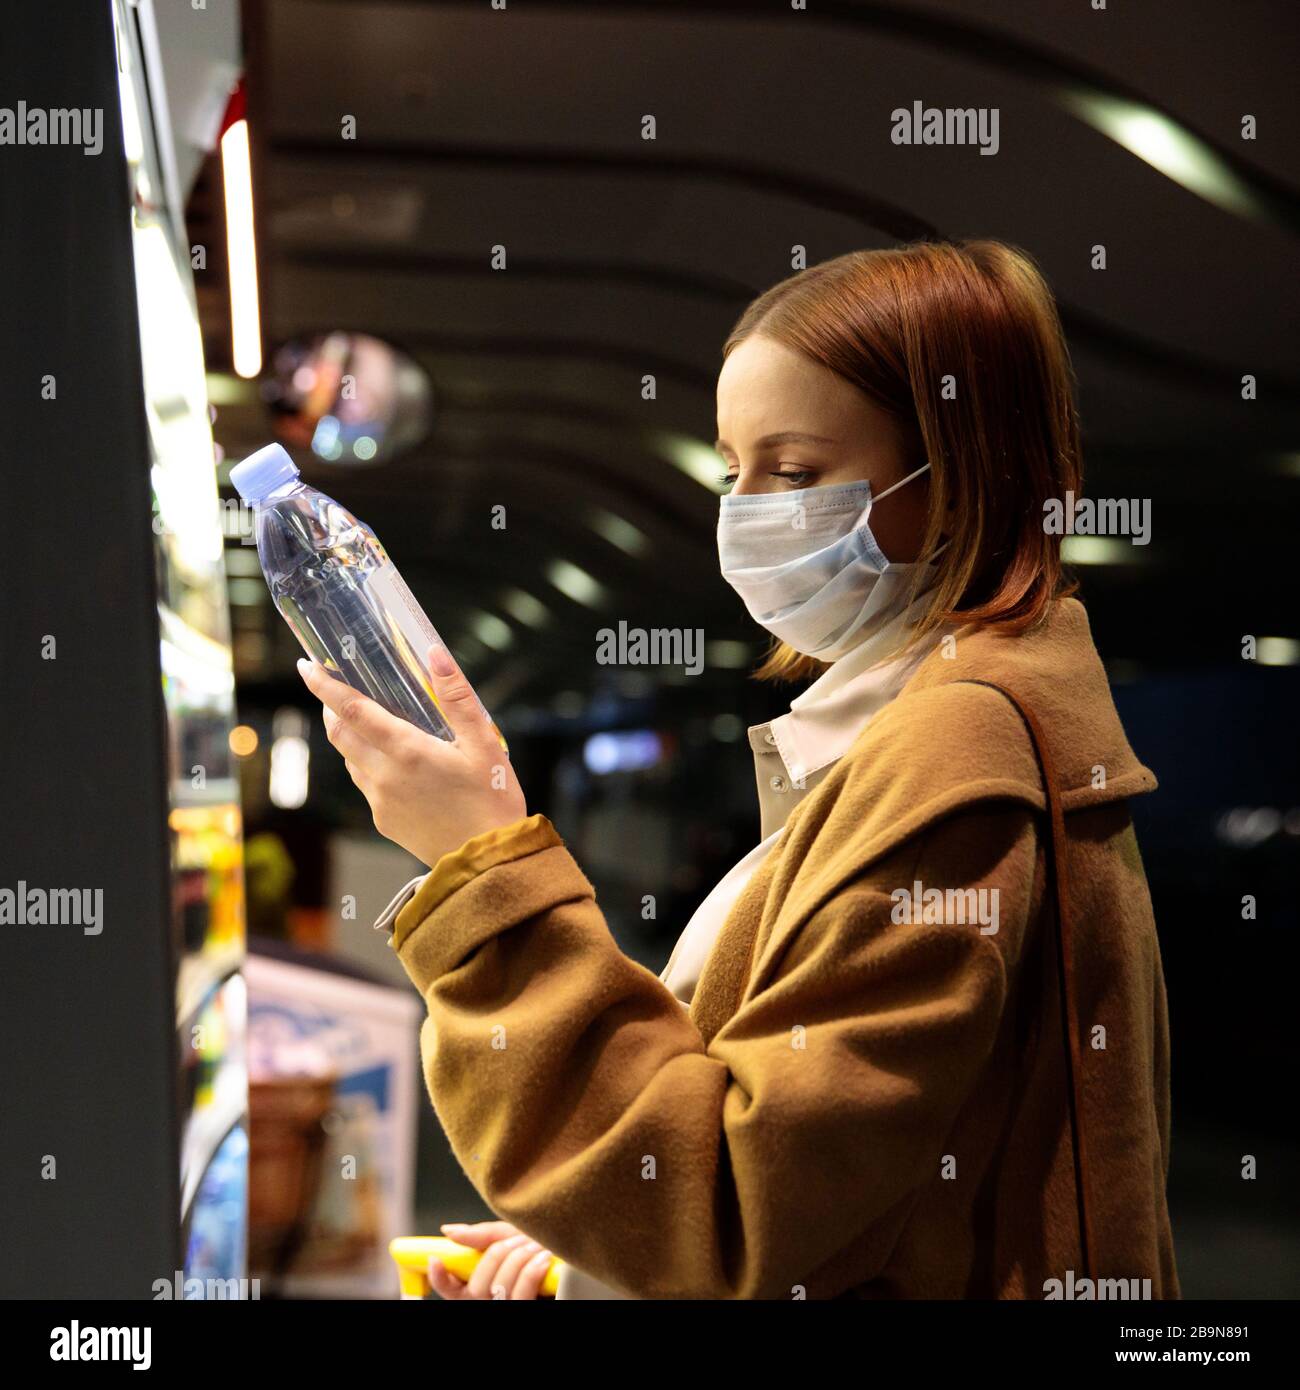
[(692, 456), (620, 532), (575, 583), (732, 655), (1098, 550), (490, 630), (1166, 146), (524, 608), (245, 315), (1277, 651)]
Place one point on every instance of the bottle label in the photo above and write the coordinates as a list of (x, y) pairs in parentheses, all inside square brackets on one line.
[(388, 589)]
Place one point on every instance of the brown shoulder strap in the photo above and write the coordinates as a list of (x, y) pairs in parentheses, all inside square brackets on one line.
[(1057, 868)]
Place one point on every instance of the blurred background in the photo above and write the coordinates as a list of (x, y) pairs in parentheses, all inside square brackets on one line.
[(430, 248)]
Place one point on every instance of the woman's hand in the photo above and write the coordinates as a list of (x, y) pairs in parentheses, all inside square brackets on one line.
[(425, 794), (511, 1266)]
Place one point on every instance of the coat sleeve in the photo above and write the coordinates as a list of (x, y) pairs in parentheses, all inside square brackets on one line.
[(582, 1101)]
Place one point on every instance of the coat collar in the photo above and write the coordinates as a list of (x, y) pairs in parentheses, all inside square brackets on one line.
[(1055, 669), (794, 751), (826, 719), (942, 745)]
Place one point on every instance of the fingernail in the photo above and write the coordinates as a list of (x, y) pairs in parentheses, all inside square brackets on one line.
[(441, 662), (453, 1226), (540, 1256), (304, 666)]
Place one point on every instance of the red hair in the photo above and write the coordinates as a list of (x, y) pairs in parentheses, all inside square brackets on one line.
[(962, 344)]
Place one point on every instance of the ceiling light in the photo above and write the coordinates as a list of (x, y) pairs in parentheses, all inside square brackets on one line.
[(1166, 146), (1097, 550), (731, 655), (621, 533), (524, 608), (696, 459), (243, 741), (1277, 651), (491, 631), (575, 583), (241, 248)]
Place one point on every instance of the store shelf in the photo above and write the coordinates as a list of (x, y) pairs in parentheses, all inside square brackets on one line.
[(208, 1126), (220, 791), (200, 975)]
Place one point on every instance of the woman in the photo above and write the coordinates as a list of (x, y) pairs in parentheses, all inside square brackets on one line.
[(924, 1051)]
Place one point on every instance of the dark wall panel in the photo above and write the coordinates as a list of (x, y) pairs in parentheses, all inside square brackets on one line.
[(87, 1047)]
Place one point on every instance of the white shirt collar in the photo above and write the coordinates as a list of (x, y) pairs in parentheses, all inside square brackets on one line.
[(826, 718)]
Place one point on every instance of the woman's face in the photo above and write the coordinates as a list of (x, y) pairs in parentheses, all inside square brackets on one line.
[(786, 424)]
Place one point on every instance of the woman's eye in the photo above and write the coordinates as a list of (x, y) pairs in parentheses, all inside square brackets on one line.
[(796, 476)]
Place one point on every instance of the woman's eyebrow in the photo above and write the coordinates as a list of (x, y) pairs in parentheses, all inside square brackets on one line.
[(785, 437)]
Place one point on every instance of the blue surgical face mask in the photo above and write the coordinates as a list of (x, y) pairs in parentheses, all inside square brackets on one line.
[(808, 568)]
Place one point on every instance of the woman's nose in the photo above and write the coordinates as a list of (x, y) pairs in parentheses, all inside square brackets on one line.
[(751, 480)]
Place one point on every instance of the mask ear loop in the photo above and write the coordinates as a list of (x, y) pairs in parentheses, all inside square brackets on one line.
[(893, 487)]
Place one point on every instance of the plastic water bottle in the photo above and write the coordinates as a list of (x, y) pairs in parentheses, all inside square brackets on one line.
[(335, 586)]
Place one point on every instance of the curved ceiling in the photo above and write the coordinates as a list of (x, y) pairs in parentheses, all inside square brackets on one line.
[(522, 128)]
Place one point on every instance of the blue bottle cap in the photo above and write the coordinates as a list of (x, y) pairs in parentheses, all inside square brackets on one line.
[(263, 473)]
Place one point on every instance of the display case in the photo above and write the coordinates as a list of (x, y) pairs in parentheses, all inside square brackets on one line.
[(196, 672)]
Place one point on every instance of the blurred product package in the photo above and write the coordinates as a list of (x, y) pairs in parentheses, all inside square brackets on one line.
[(333, 1089)]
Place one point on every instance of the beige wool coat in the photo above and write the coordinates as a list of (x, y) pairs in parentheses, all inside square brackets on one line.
[(862, 1100)]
